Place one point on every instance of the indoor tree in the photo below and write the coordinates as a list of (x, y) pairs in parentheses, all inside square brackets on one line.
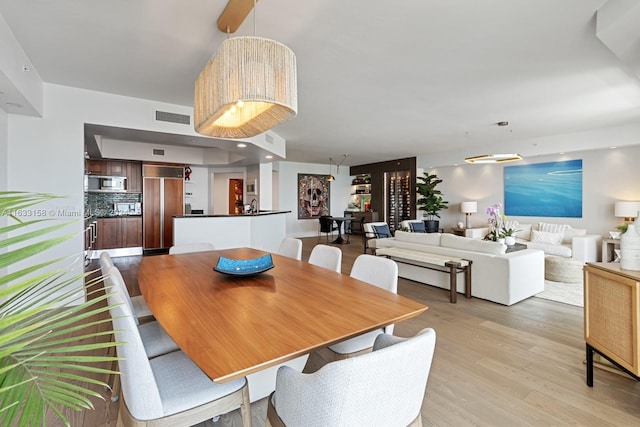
[(431, 201)]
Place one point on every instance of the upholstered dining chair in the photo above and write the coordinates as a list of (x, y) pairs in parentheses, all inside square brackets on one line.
[(327, 226), (168, 390), (155, 339), (291, 248), (380, 272), (384, 388), (190, 248), (139, 305), (326, 256)]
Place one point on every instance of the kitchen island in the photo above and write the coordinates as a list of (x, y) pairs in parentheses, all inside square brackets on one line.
[(263, 230)]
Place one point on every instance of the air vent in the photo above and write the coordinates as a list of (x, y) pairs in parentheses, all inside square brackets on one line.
[(158, 152), (165, 116)]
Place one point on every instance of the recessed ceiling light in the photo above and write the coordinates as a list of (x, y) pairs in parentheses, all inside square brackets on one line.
[(268, 156), (241, 145)]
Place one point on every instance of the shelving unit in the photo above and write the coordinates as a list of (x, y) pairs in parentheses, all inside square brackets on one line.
[(236, 196), (398, 198), (361, 192)]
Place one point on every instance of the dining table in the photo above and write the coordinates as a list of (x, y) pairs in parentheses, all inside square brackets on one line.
[(339, 220), (232, 326)]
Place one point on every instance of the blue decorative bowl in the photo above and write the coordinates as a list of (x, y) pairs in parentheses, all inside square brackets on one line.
[(244, 267)]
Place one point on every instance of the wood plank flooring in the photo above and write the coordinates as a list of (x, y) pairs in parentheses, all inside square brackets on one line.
[(494, 365)]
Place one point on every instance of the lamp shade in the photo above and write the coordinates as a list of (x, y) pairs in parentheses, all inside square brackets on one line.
[(625, 209), (247, 88), (469, 207)]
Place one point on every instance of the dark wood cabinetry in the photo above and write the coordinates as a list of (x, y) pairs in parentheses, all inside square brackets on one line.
[(357, 216), (162, 199), (95, 167), (134, 177), (129, 169), (119, 232)]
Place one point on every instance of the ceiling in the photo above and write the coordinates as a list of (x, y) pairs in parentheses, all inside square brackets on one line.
[(376, 80)]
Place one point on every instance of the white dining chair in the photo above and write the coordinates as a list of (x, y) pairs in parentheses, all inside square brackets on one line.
[(326, 256), (140, 307), (380, 272), (291, 248), (190, 248), (168, 390), (154, 338), (384, 388)]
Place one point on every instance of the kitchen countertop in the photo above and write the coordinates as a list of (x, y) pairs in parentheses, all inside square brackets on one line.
[(260, 213), (119, 216)]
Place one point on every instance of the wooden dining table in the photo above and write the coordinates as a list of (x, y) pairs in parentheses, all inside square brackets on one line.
[(232, 326)]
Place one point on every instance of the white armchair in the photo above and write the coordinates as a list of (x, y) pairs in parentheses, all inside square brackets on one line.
[(385, 387)]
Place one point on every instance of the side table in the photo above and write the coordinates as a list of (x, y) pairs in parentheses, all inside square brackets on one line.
[(608, 250)]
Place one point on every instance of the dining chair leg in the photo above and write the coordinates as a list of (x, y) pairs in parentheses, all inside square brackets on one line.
[(245, 408)]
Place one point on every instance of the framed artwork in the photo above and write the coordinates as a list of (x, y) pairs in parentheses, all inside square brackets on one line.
[(313, 196), (551, 189)]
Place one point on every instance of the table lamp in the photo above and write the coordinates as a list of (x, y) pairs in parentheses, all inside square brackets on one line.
[(468, 208), (626, 210)]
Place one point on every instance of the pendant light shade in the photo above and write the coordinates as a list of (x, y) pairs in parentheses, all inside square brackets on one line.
[(247, 88)]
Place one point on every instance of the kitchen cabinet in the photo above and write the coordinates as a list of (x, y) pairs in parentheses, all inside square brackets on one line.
[(612, 316), (95, 167), (163, 197), (119, 232), (116, 168), (134, 177)]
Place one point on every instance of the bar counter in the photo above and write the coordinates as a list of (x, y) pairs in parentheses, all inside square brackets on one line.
[(263, 230)]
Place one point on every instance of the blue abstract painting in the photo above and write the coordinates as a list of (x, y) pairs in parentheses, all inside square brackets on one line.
[(551, 189)]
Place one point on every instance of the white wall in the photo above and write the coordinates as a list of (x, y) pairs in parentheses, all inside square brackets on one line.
[(288, 197), (4, 150), (608, 175), (197, 189)]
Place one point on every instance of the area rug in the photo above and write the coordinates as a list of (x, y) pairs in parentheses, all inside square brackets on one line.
[(567, 293)]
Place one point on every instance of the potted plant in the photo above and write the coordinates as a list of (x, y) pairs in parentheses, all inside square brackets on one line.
[(47, 354), (431, 201)]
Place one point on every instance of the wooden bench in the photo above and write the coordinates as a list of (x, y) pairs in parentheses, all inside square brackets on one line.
[(444, 263)]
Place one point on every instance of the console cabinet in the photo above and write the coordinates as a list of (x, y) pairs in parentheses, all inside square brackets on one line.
[(611, 316)]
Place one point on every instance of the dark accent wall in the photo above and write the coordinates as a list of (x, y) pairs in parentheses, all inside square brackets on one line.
[(377, 171)]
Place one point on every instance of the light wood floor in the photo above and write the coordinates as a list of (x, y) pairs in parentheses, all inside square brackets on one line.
[(493, 366)]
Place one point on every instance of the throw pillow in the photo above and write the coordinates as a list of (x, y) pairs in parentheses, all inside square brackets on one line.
[(382, 231), (417, 227), (546, 237), (553, 228)]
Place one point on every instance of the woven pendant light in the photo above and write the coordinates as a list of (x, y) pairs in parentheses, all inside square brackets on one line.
[(248, 87)]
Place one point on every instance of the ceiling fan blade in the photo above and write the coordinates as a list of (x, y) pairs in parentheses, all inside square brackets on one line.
[(234, 14)]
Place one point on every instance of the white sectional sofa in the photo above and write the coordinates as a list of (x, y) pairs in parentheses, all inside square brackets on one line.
[(555, 239), (505, 278)]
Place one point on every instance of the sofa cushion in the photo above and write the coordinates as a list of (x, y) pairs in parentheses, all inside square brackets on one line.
[(382, 231), (474, 245), (432, 239), (546, 237), (553, 228), (570, 233), (417, 227), (558, 250), (524, 231)]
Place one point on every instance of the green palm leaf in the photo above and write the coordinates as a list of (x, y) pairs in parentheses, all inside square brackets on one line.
[(50, 350)]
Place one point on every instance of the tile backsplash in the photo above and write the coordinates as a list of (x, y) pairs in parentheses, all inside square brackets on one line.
[(101, 204)]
